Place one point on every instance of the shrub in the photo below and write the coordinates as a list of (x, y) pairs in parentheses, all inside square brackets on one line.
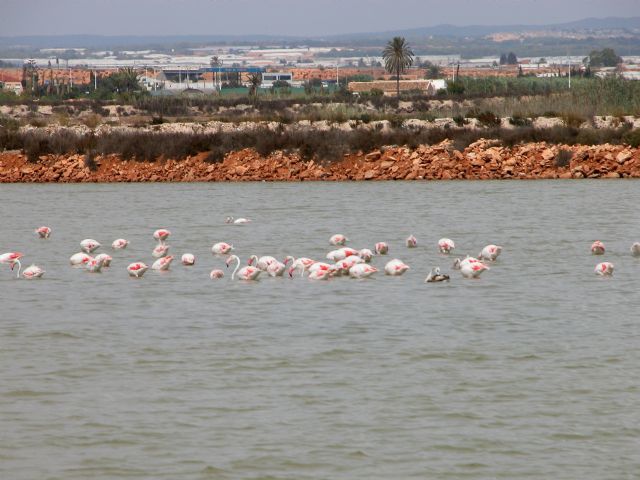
[(460, 120), (488, 119), (90, 161), (573, 120), (519, 120), (563, 157), (632, 138)]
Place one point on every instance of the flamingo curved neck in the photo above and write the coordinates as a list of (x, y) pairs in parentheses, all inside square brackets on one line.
[(237, 259), (19, 268)]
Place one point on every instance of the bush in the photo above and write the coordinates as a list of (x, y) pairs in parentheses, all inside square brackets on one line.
[(563, 157), (519, 120), (489, 119), (460, 120), (90, 161), (633, 138)]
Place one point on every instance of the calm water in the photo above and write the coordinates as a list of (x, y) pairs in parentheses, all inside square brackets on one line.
[(533, 371)]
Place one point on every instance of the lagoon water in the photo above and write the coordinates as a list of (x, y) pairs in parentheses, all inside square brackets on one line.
[(533, 371)]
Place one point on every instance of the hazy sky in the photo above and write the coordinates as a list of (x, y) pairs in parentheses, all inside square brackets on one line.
[(291, 17)]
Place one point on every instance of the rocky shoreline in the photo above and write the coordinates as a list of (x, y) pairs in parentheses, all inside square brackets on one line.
[(482, 160)]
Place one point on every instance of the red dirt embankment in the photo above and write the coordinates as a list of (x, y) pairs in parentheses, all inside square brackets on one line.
[(482, 160)]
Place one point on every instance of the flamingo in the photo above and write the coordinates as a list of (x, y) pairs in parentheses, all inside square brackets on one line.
[(446, 245), (12, 258), (490, 252), (395, 267), (436, 276), (120, 244), (262, 263), (188, 259), (343, 266), (105, 259), (457, 264), (597, 248), (338, 239), (79, 259), (162, 264), (276, 269), (365, 254), (341, 254), (382, 248), (137, 269), (160, 251), (215, 274), (89, 245), (237, 221), (161, 235), (317, 271), (472, 269), (245, 273), (33, 272), (221, 248), (43, 232), (411, 241), (604, 269), (94, 265), (301, 263), (362, 270), (635, 249), (319, 275)]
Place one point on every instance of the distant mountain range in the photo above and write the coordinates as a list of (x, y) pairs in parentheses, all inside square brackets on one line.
[(630, 25)]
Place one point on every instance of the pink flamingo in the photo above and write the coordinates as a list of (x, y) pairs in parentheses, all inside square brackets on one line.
[(276, 269), (13, 259), (362, 270), (105, 259), (262, 263), (338, 239), (160, 251), (382, 248), (221, 248), (94, 265), (446, 245), (137, 269), (411, 241), (33, 272), (162, 264), (597, 248), (216, 274), (604, 269), (341, 254), (365, 254), (490, 252), (245, 273), (44, 232), (237, 221), (161, 235), (79, 259), (89, 245), (188, 259), (472, 269), (120, 244), (395, 267)]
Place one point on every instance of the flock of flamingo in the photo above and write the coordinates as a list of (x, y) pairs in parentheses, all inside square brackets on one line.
[(343, 261)]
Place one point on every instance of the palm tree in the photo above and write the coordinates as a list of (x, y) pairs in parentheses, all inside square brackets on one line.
[(398, 56), (255, 80)]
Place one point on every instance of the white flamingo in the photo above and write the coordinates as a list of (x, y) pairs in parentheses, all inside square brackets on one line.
[(604, 269), (411, 241), (316, 271), (162, 264), (446, 245), (216, 274), (338, 239), (94, 265), (457, 263), (490, 252), (362, 270), (120, 244), (105, 259), (263, 262), (343, 266), (89, 245), (303, 264), (276, 269), (137, 269), (188, 259), (161, 250), (341, 254), (246, 273), (79, 259), (436, 276), (161, 235), (597, 248), (472, 269), (395, 267), (382, 248), (221, 248), (365, 254), (43, 232), (33, 272), (12, 259)]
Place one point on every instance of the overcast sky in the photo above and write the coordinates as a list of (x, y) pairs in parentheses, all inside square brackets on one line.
[(285, 17)]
